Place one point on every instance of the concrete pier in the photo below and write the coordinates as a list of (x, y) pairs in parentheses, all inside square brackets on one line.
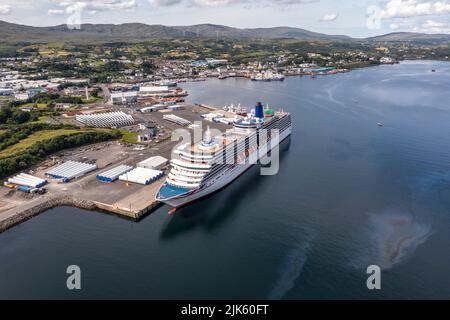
[(19, 214)]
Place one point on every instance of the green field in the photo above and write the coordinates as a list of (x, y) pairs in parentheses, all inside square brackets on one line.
[(37, 137), (37, 105), (129, 137), (93, 100), (42, 119)]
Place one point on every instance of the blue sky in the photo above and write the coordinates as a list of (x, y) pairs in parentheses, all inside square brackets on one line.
[(358, 18)]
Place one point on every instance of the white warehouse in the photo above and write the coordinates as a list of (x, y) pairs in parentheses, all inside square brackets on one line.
[(106, 120), (142, 176), (128, 97), (113, 174), (153, 90), (26, 180), (70, 170), (154, 163), (177, 120)]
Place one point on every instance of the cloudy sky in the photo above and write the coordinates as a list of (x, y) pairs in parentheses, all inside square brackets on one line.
[(358, 18)]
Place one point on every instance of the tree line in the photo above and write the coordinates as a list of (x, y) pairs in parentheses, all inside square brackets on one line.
[(15, 134), (42, 149), (11, 115)]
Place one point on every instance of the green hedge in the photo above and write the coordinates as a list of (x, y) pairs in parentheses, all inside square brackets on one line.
[(41, 150)]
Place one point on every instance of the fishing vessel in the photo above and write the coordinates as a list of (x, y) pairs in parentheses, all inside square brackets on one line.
[(200, 169)]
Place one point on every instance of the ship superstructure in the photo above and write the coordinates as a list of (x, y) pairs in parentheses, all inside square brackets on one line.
[(200, 169)]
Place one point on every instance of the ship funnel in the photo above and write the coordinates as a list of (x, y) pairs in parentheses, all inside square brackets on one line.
[(259, 110), (207, 139)]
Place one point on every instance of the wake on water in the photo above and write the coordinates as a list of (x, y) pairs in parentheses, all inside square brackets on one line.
[(291, 270)]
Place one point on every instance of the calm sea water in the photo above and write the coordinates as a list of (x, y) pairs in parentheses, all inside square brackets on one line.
[(349, 194)]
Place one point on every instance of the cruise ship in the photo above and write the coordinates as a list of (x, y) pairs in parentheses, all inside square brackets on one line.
[(200, 169)]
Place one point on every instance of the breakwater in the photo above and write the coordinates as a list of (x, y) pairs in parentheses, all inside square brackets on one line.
[(70, 201), (43, 206)]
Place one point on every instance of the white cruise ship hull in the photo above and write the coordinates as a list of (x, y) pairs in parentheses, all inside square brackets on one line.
[(220, 182)]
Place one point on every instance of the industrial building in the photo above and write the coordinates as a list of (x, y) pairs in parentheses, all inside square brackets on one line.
[(175, 107), (216, 62), (6, 92), (153, 90), (177, 120), (211, 116), (27, 180), (70, 170), (106, 120), (142, 176), (22, 96), (154, 163), (153, 108), (129, 97), (143, 138), (113, 174)]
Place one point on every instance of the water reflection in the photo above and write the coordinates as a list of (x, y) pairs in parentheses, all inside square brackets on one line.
[(219, 208)]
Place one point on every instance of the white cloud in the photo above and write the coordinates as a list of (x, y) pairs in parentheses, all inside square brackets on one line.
[(165, 3), (329, 17), (93, 6), (5, 9), (402, 11), (394, 26), (54, 12), (433, 27), (219, 3), (413, 8)]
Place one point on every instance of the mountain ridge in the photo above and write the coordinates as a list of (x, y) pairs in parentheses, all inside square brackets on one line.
[(140, 32)]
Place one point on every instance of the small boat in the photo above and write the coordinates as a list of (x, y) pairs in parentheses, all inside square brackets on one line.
[(434, 70), (380, 124), (172, 212)]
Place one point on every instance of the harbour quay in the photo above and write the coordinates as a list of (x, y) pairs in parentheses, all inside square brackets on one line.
[(122, 198), (100, 177)]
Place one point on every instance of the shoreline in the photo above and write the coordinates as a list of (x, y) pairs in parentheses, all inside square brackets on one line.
[(349, 68), (74, 202), (14, 216), (42, 207), (130, 201)]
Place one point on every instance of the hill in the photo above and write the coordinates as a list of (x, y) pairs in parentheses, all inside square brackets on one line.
[(412, 37), (10, 32), (137, 32)]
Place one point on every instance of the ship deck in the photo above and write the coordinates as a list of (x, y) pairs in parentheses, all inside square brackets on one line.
[(168, 191), (223, 141)]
